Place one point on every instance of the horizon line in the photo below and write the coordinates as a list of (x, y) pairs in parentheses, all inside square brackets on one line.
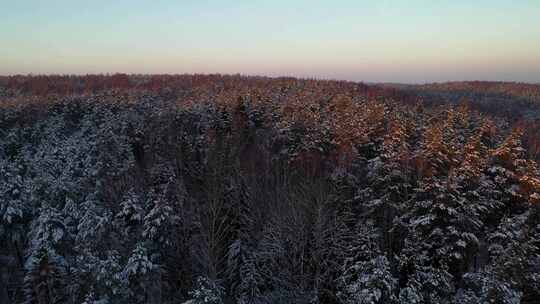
[(317, 78)]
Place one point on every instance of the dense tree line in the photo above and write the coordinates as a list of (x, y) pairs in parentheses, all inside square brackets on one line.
[(231, 189)]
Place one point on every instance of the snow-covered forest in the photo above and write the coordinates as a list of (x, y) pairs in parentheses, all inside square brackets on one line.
[(232, 189)]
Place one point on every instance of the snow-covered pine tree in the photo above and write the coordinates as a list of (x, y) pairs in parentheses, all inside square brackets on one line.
[(141, 276), (47, 271), (366, 276)]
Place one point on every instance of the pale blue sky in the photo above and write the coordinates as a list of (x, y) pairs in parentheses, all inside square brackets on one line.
[(398, 41)]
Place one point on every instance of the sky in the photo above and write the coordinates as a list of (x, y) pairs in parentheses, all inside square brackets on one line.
[(411, 41)]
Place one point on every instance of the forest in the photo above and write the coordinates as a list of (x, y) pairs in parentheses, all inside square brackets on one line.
[(227, 189)]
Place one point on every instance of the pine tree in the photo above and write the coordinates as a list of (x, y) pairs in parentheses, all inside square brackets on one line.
[(141, 275), (367, 276), (47, 272), (507, 166)]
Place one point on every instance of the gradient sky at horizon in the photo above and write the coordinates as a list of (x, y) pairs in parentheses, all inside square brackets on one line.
[(373, 41)]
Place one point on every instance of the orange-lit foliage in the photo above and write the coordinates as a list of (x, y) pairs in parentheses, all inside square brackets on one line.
[(531, 139), (509, 153), (474, 155), (451, 138), (395, 146), (432, 156), (530, 182), (353, 123), (440, 146)]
